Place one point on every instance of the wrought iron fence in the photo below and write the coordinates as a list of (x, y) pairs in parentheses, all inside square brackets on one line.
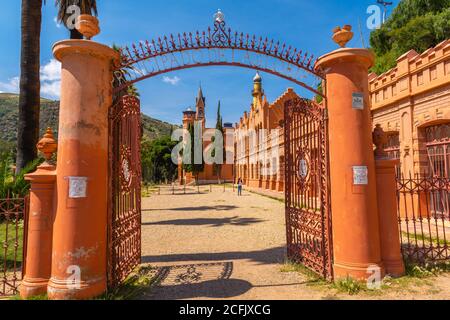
[(424, 220), (13, 231)]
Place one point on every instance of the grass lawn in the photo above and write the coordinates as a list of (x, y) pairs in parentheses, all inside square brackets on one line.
[(11, 243)]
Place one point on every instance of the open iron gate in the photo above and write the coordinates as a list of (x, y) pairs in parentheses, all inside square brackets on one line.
[(308, 215), (124, 225)]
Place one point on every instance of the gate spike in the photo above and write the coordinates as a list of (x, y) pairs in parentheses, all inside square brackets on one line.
[(265, 45), (167, 43), (276, 49), (298, 56), (209, 36), (197, 38), (160, 44), (288, 53), (180, 44), (129, 53), (142, 48), (270, 48), (310, 60), (172, 42), (282, 50), (191, 43), (136, 53), (293, 54), (259, 44), (185, 41), (149, 50)]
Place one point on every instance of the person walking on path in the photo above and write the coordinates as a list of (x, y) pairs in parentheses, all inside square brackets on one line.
[(239, 187)]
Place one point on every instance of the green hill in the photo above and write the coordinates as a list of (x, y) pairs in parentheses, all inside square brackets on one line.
[(153, 128)]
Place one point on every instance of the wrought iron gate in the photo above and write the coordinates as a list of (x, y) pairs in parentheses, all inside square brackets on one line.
[(308, 216), (124, 225)]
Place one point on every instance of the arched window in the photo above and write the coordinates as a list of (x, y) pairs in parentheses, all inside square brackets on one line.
[(438, 149), (393, 148)]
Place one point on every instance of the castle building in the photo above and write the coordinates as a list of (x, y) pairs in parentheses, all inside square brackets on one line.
[(411, 102), (259, 140), (209, 174)]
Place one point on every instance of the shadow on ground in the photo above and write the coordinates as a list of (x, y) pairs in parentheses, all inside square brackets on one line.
[(213, 222), (199, 208), (267, 256), (202, 280)]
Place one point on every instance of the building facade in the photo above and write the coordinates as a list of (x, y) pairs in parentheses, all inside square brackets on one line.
[(259, 140), (411, 102), (209, 174)]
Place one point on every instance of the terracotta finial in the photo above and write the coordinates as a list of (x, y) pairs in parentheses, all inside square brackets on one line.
[(342, 35), (47, 145), (379, 140), (88, 26)]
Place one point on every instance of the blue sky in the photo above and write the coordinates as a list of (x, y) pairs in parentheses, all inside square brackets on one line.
[(304, 24)]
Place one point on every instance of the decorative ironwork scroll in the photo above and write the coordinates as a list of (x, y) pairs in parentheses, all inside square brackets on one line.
[(308, 214), (424, 218), (215, 47), (124, 233)]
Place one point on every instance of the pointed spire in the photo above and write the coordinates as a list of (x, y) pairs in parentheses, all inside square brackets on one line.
[(257, 77), (200, 92), (200, 96)]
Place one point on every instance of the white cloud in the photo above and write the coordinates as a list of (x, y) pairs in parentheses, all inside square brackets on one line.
[(173, 81), (11, 86), (51, 89), (51, 71), (51, 79)]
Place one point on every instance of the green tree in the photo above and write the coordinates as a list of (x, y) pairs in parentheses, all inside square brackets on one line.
[(192, 167), (414, 25), (219, 127), (157, 165), (64, 13), (29, 99)]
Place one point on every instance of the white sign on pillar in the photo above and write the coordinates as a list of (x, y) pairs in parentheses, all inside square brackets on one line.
[(358, 101), (77, 187), (360, 175)]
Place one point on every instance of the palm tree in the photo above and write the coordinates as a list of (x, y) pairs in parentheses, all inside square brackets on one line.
[(29, 99), (86, 7)]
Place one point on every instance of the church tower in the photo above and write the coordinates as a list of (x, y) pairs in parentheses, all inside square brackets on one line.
[(200, 106), (258, 92)]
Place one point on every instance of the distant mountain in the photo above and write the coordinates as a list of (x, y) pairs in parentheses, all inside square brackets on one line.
[(9, 112)]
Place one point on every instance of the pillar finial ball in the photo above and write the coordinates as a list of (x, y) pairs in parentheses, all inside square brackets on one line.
[(342, 35), (88, 26), (47, 145), (219, 16)]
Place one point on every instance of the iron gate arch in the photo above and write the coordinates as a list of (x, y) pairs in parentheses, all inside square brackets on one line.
[(166, 54), (307, 191), (217, 46), (124, 207)]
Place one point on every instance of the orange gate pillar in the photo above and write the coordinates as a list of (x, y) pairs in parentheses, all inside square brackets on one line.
[(40, 220), (387, 205), (80, 228), (356, 239)]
